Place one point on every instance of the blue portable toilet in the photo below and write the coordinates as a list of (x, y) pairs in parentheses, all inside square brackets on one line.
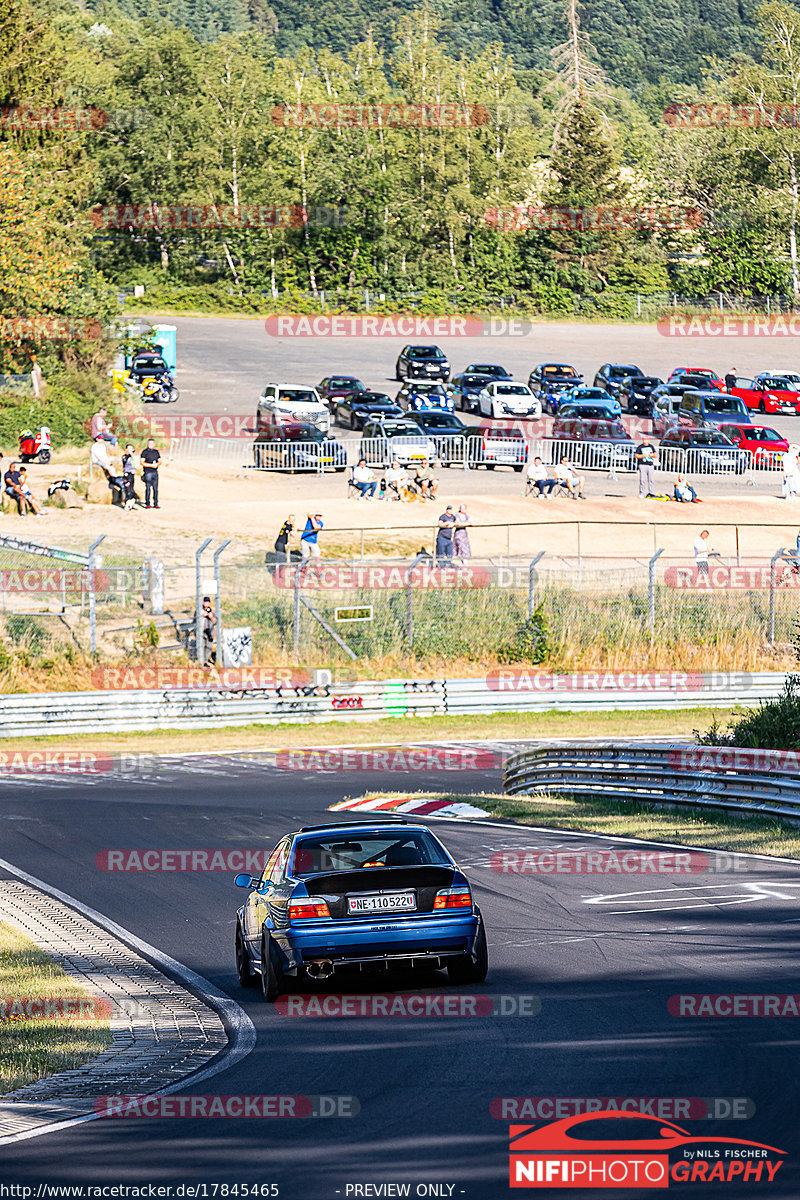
[(166, 336)]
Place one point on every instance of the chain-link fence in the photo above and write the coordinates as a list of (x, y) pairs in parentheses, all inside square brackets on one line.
[(560, 610)]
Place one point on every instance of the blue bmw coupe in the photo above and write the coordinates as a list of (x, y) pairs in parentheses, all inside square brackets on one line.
[(359, 897)]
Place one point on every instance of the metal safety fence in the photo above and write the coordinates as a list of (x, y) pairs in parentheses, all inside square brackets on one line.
[(215, 705), (496, 448), (717, 777)]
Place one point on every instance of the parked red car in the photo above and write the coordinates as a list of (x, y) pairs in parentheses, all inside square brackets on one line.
[(763, 443), (768, 394), (713, 379)]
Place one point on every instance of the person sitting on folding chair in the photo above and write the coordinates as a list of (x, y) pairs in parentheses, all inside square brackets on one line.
[(569, 478), (537, 478), (394, 482)]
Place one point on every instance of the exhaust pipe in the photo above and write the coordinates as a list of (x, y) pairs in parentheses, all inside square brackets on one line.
[(320, 968)]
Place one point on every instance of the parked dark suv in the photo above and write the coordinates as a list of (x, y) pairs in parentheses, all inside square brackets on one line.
[(422, 362)]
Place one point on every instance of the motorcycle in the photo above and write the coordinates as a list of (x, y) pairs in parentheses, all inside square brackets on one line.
[(35, 443), (159, 390)]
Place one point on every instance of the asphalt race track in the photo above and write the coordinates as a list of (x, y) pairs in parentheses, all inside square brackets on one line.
[(602, 953)]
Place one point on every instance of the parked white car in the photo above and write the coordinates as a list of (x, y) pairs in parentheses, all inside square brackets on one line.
[(284, 401), (505, 398)]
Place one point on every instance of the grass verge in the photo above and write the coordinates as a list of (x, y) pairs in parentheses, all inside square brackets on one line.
[(33, 1049), (653, 723), (752, 835)]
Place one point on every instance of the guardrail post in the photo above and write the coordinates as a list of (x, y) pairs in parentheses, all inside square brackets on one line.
[(200, 649), (532, 583), (410, 601), (651, 593), (771, 631), (218, 601), (92, 605)]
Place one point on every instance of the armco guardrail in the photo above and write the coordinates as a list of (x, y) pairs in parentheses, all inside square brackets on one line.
[(719, 777), (120, 711)]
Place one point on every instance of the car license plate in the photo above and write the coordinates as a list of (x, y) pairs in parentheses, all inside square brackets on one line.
[(385, 902)]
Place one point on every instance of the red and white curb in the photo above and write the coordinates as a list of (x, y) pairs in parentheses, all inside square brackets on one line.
[(410, 804)]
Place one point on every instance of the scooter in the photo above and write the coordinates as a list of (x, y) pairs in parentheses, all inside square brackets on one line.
[(35, 444)]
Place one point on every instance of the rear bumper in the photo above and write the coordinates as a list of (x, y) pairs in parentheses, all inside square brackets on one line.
[(379, 943)]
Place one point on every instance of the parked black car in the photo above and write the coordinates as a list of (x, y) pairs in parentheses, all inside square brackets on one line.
[(353, 410), (635, 393), (611, 375), (551, 378), (422, 362), (466, 388), (494, 370)]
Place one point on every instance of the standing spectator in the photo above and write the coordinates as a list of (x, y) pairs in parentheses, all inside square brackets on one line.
[(150, 459), (444, 538), (100, 427), (309, 544), (209, 630), (129, 477), (461, 546), (537, 477), (646, 461), (37, 379), (791, 473), (27, 493), (730, 379), (364, 480), (282, 540), (569, 477), (701, 552)]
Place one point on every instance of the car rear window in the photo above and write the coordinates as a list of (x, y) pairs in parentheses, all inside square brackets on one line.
[(558, 369), (424, 352), (342, 852)]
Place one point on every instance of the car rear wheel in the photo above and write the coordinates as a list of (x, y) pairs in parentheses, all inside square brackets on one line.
[(353, 423), (271, 974), (243, 970), (472, 968)]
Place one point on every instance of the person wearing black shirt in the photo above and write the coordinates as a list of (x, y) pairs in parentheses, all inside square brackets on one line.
[(13, 485), (730, 379), (282, 540), (128, 477), (150, 459)]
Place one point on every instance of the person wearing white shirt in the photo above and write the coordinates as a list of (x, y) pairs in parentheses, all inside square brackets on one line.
[(701, 552), (394, 479), (537, 477), (791, 473), (566, 474), (364, 480)]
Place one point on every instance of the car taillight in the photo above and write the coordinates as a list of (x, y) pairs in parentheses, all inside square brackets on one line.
[(455, 897), (308, 910)]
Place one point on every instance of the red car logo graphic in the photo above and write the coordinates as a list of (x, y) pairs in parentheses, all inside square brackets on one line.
[(580, 1152)]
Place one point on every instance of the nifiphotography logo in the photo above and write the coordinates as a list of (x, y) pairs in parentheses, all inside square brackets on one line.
[(620, 1149)]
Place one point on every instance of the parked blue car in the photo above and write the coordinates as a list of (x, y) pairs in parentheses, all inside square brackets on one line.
[(357, 897)]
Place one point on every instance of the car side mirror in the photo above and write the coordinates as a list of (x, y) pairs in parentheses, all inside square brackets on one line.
[(243, 879)]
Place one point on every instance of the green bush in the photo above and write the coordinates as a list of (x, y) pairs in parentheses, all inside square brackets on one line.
[(774, 725)]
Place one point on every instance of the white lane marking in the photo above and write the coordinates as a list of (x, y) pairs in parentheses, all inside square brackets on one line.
[(748, 893), (240, 1029)]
